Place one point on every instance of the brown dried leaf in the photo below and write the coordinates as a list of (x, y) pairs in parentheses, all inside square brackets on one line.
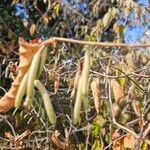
[(96, 94), (117, 90), (45, 20), (115, 135), (14, 2), (116, 27), (129, 141), (126, 142), (118, 145), (52, 74), (32, 29), (8, 135), (56, 84), (27, 52), (76, 80)]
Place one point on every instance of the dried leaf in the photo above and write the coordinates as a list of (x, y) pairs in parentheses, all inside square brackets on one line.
[(52, 74), (112, 12), (96, 94), (118, 145), (126, 142), (129, 141), (76, 80), (45, 20), (8, 135), (117, 90), (27, 52), (32, 29), (116, 27), (14, 2), (115, 135), (56, 84)]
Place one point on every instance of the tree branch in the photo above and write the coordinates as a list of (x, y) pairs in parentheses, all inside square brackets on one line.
[(106, 44)]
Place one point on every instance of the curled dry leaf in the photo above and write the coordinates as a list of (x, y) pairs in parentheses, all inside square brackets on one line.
[(27, 51), (52, 74), (96, 94), (117, 90), (76, 80), (129, 141), (116, 27), (8, 135), (126, 142), (45, 20), (115, 135), (56, 84)]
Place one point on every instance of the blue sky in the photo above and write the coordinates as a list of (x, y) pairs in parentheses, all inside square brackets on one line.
[(135, 30)]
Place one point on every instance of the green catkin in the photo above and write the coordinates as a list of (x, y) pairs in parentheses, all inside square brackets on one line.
[(78, 104), (82, 91), (85, 77), (32, 76), (43, 60), (21, 91), (46, 100)]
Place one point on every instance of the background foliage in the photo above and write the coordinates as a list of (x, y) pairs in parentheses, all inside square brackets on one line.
[(123, 73)]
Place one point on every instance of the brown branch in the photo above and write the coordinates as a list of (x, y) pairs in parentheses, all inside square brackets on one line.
[(105, 44), (147, 131)]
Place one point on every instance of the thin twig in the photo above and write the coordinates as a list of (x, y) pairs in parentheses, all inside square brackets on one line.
[(105, 44), (146, 132), (10, 125)]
